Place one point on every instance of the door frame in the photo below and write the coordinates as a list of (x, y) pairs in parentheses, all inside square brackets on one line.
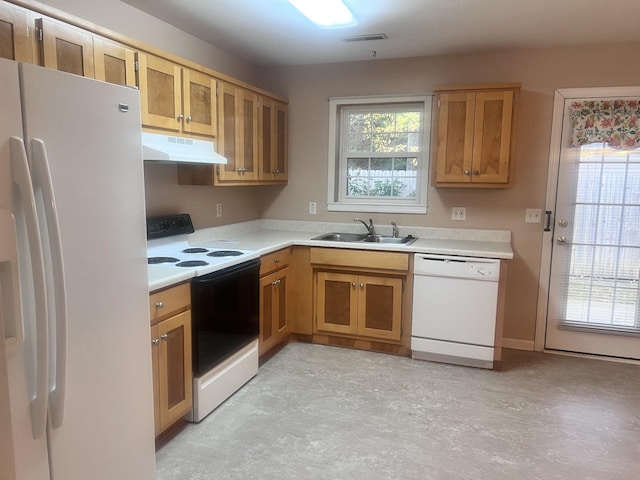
[(544, 278)]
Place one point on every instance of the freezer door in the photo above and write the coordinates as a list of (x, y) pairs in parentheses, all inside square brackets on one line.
[(88, 134), (27, 457)]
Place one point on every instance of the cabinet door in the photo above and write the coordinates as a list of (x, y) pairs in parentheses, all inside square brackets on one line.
[(175, 368), (66, 48), (281, 139), (248, 135), (273, 309), (492, 137), (337, 303), (267, 146), (114, 63), (380, 307), (199, 97), (455, 137), (15, 34), (160, 92), (273, 140), (237, 133)]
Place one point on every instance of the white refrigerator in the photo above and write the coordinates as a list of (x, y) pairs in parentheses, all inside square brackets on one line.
[(76, 394)]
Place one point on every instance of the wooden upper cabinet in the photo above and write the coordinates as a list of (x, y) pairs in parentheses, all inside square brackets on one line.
[(273, 125), (176, 99), (114, 63), (237, 134), (160, 92), (474, 136), (65, 48), (199, 100), (16, 35)]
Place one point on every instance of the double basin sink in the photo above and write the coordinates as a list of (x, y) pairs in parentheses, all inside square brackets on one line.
[(365, 238)]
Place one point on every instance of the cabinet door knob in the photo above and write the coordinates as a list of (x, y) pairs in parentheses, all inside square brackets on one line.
[(180, 117), (159, 305), (353, 284), (361, 285), (277, 260), (189, 118), (164, 336), (476, 172), (467, 172), (155, 342)]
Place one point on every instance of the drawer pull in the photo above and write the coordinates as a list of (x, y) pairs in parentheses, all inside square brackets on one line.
[(159, 305), (277, 260), (155, 342)]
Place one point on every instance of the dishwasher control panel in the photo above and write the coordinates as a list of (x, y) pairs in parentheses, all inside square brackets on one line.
[(452, 266)]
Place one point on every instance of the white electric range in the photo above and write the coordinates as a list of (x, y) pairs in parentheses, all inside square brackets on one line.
[(224, 306)]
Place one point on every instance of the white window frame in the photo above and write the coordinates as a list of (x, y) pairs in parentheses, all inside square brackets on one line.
[(337, 172)]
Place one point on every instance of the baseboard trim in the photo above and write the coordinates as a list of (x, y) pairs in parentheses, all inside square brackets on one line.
[(518, 344)]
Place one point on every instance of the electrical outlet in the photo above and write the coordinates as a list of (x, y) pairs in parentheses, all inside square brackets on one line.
[(312, 208), (533, 215), (459, 213), (218, 209)]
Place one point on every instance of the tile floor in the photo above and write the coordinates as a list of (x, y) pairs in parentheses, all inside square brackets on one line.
[(318, 412)]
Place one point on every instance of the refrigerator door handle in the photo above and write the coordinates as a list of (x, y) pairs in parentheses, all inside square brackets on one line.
[(56, 281), (38, 352)]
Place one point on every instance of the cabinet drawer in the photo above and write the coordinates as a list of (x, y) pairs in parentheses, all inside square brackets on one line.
[(168, 301), (360, 258), (275, 260)]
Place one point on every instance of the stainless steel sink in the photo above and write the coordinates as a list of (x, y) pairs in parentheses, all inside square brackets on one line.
[(363, 237), (408, 240), (342, 237)]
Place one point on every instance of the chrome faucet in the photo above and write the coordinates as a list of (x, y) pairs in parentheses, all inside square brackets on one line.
[(370, 228), (394, 231)]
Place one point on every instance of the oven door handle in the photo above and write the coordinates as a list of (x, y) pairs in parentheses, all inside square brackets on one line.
[(232, 271)]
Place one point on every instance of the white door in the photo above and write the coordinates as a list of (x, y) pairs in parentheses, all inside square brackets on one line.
[(594, 226)]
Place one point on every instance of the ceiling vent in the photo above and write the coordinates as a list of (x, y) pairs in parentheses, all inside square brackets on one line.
[(366, 38)]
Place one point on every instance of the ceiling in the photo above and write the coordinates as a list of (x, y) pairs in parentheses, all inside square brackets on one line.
[(272, 32)]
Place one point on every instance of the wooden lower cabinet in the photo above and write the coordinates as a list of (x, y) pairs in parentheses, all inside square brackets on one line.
[(171, 355), (357, 304), (274, 292)]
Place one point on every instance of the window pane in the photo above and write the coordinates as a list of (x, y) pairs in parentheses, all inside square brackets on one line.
[(588, 189), (356, 164), (383, 142), (632, 193), (383, 122)]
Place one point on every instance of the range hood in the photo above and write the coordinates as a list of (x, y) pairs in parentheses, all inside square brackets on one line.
[(167, 149)]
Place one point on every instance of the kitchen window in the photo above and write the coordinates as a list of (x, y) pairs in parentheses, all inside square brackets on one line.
[(378, 154)]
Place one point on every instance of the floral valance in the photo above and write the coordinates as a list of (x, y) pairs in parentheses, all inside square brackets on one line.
[(615, 122)]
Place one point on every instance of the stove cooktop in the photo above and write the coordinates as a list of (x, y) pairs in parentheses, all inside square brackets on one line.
[(168, 246)]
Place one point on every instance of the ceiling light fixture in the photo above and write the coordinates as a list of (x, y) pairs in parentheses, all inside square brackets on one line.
[(326, 13)]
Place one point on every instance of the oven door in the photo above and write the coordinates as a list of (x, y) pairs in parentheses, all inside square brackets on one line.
[(225, 313)]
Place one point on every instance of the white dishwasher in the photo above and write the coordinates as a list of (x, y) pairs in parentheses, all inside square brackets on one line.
[(455, 306)]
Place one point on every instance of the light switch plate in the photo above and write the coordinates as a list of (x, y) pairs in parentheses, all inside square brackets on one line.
[(533, 215), (312, 208), (218, 209)]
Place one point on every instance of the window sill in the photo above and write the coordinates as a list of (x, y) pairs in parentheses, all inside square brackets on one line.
[(373, 208)]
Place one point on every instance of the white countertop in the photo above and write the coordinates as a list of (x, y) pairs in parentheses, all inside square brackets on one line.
[(264, 236)]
